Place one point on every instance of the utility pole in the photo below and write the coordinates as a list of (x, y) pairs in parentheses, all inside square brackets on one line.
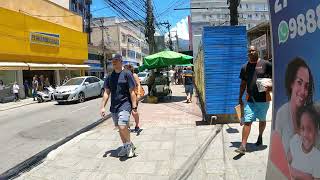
[(233, 7), (177, 41), (168, 25), (150, 30), (102, 27)]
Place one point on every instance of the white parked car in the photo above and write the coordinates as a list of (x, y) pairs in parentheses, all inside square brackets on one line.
[(79, 88), (143, 77)]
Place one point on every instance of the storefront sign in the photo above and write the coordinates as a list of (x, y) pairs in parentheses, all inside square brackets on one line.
[(295, 141), (45, 39), (260, 43)]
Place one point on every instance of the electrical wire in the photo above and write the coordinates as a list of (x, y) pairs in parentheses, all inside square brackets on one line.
[(125, 14)]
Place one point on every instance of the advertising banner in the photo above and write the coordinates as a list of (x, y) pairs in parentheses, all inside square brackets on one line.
[(295, 143)]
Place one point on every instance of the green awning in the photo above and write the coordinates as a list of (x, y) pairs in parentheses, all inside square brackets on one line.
[(164, 59)]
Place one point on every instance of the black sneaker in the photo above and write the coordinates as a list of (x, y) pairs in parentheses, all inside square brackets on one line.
[(136, 129), (259, 141), (241, 150)]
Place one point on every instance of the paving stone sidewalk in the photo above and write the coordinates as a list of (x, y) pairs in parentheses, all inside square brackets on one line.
[(166, 148)]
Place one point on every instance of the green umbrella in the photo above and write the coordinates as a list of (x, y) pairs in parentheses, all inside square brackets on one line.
[(164, 59)]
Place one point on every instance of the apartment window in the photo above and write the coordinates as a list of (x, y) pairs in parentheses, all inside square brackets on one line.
[(249, 16), (240, 6), (247, 6), (131, 54), (138, 56), (124, 52), (123, 38)]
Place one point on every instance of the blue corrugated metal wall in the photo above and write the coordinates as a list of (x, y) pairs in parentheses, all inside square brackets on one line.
[(225, 51)]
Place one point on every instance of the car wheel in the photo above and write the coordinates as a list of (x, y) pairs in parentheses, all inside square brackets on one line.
[(81, 97), (101, 92), (40, 100)]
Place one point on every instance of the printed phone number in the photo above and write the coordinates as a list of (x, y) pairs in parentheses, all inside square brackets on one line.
[(300, 25)]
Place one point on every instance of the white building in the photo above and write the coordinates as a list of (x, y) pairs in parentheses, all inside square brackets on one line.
[(121, 37), (251, 13)]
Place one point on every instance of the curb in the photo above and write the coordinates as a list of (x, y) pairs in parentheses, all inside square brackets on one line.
[(4, 109), (37, 158)]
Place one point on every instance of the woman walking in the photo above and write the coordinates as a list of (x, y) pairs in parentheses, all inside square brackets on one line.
[(138, 92)]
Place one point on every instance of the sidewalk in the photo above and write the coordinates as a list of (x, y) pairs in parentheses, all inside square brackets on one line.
[(171, 146), (11, 105)]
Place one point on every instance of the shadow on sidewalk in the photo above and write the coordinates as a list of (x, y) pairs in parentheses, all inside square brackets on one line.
[(231, 130), (251, 147), (170, 99), (114, 153)]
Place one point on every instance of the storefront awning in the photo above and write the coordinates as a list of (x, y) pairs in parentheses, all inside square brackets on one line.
[(13, 66), (39, 66), (76, 66)]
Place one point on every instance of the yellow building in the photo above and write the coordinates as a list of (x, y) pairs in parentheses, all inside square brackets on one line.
[(40, 38)]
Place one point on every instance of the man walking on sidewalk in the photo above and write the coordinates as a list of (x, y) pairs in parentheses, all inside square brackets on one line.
[(257, 102), (120, 84), (188, 83)]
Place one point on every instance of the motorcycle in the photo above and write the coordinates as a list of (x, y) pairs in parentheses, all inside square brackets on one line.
[(46, 94)]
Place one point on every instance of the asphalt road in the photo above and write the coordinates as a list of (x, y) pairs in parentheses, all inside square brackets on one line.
[(27, 130)]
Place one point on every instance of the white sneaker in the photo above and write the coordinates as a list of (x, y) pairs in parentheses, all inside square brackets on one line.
[(130, 150), (123, 151)]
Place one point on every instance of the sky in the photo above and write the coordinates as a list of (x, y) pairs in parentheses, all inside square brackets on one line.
[(164, 11)]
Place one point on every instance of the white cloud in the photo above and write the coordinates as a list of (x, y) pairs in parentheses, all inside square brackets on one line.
[(182, 29)]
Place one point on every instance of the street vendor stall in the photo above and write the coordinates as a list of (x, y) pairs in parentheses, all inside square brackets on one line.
[(161, 85)]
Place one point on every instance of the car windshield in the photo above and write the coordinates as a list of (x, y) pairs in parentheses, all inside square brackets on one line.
[(142, 75), (75, 81)]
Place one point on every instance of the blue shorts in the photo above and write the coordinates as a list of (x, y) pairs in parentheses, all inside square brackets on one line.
[(253, 111), (121, 118), (189, 89)]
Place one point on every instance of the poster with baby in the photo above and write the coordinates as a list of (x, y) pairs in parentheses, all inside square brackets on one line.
[(295, 142)]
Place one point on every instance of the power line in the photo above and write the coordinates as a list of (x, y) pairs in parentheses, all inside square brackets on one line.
[(125, 14)]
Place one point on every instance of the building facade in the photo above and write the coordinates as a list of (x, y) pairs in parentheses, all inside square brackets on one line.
[(39, 43), (251, 13), (118, 36), (81, 8)]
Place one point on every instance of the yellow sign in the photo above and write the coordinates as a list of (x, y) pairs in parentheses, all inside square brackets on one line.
[(45, 39)]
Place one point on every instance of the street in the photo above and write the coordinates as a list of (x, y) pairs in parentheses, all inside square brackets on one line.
[(30, 129)]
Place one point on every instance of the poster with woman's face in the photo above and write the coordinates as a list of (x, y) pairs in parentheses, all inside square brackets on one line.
[(295, 143)]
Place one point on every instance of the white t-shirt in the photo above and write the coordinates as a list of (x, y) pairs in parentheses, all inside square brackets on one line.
[(2, 87), (308, 163), (171, 73), (15, 88), (284, 125)]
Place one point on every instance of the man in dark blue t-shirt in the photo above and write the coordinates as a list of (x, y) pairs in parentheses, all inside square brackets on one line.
[(257, 102), (188, 83), (120, 84)]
